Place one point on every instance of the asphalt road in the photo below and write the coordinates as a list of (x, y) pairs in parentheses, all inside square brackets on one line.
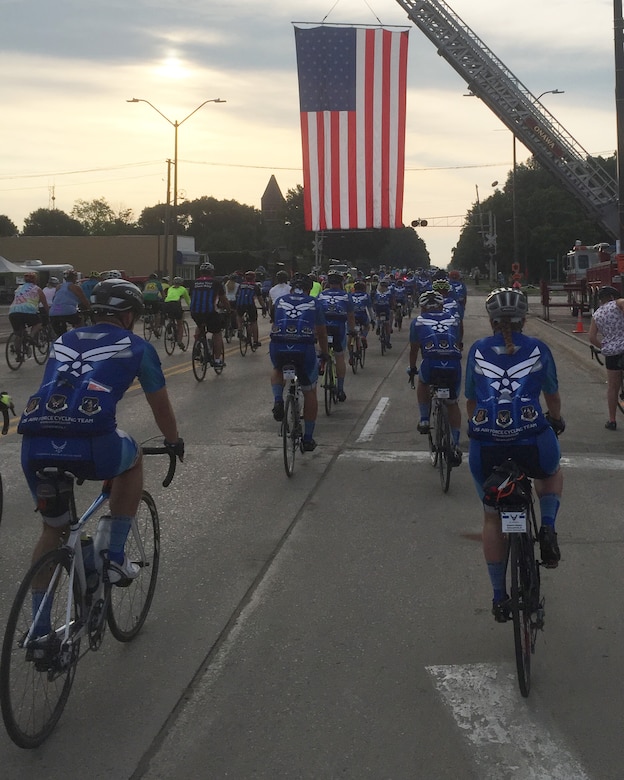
[(336, 624)]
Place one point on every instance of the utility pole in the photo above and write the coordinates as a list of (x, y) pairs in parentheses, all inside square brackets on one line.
[(618, 27)]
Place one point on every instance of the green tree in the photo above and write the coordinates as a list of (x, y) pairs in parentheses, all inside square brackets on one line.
[(51, 222), (99, 219), (7, 227), (221, 225)]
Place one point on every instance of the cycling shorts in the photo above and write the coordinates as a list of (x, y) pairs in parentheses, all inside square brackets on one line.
[(95, 457), (152, 307), (20, 319), (173, 309), (338, 330), (213, 321), (613, 362), (361, 318), (251, 310), (538, 457), (440, 373), (302, 356)]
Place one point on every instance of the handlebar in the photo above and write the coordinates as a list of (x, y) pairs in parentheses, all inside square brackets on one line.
[(595, 353), (172, 460)]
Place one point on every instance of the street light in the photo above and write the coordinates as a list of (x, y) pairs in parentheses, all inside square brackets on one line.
[(175, 124)]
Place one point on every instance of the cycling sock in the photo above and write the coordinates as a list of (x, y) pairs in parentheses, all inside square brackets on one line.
[(340, 384), (455, 432), (44, 624), (497, 578), (549, 506), (308, 429), (278, 392), (424, 411), (119, 530)]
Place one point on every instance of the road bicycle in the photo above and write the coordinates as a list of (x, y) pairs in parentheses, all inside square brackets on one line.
[(357, 350), (171, 335), (18, 349), (382, 332), (510, 492), (38, 665), (203, 356), (229, 329), (291, 428), (245, 339), (398, 316), (330, 377), (152, 325), (597, 356)]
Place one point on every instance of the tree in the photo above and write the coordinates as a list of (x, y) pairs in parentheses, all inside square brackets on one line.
[(99, 219), (221, 225), (51, 222), (7, 228)]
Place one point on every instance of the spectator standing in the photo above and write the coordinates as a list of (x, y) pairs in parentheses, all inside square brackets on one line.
[(606, 332)]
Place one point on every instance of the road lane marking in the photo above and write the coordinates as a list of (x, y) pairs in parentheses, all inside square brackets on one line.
[(507, 735), (368, 431)]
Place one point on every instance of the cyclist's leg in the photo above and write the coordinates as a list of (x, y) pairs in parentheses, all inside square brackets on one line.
[(17, 323), (213, 325), (308, 377), (340, 342), (423, 395)]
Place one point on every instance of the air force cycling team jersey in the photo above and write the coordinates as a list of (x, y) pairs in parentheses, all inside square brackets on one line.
[(295, 319), (507, 388), (88, 371)]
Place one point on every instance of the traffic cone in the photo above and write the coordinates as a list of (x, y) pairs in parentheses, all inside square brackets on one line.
[(579, 322)]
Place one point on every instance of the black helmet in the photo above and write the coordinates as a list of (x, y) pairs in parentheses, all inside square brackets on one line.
[(302, 282), (607, 292), (114, 296), (506, 303), (334, 278), (281, 277)]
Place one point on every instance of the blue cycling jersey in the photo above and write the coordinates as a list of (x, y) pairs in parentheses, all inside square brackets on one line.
[(205, 295), (437, 334), (295, 318), (337, 305)]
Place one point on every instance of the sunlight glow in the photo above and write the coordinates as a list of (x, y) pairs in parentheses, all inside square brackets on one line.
[(172, 68)]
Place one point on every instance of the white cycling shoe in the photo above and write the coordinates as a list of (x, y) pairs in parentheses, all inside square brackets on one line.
[(122, 572)]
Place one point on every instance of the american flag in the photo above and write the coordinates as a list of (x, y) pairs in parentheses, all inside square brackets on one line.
[(352, 88)]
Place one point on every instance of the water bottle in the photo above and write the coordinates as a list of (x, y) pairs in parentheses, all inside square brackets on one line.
[(88, 557)]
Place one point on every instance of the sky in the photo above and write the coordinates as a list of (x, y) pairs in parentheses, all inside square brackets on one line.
[(67, 69)]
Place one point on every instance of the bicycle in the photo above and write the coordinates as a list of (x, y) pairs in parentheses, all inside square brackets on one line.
[(171, 335), (597, 356), (203, 356), (18, 349), (37, 672), (229, 329), (330, 377), (510, 492), (382, 332), (398, 316), (291, 429), (151, 325), (245, 339), (357, 350)]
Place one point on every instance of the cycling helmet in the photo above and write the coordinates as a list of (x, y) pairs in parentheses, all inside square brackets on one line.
[(302, 282), (507, 304), (281, 277), (114, 296), (153, 276), (250, 274), (165, 279), (207, 268), (30, 277), (441, 285), (431, 300), (454, 274), (53, 280), (114, 275), (334, 278), (607, 292), (178, 280)]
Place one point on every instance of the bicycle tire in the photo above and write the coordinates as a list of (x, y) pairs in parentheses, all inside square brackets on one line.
[(170, 338), (129, 606), (228, 333), (289, 435), (33, 693), (521, 611), (147, 327), (362, 356), (242, 342), (354, 360), (250, 341), (329, 386), (431, 436), (186, 334), (199, 359), (620, 398), (444, 444), (382, 341), (14, 361)]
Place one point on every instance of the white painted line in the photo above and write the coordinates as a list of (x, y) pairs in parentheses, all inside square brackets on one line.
[(591, 462), (508, 738), (368, 431)]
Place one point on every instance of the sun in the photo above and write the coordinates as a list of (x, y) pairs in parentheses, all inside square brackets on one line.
[(172, 68)]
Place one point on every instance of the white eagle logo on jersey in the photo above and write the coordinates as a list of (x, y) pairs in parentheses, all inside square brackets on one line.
[(293, 311), (437, 326), (78, 364), (505, 381)]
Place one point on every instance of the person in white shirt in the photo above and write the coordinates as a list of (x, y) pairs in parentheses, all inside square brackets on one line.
[(50, 289), (281, 287)]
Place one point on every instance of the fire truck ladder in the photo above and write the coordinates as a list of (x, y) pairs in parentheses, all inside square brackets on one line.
[(489, 79)]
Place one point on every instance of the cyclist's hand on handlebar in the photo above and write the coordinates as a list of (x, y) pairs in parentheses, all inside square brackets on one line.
[(558, 426), (176, 447), (412, 372)]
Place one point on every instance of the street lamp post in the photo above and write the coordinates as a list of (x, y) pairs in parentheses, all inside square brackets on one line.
[(175, 124)]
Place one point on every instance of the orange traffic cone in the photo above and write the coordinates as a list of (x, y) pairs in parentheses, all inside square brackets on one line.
[(579, 322)]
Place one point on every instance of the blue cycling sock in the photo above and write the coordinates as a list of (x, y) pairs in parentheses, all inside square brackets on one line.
[(455, 432), (549, 506), (340, 384), (497, 578), (119, 530), (278, 392), (308, 429), (44, 624), (424, 411)]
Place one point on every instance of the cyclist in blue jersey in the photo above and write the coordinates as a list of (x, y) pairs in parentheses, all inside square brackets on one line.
[(362, 310), (459, 290), (505, 375), (70, 421), (435, 335), (246, 297), (383, 304), (209, 308), (339, 313), (451, 307), (298, 323)]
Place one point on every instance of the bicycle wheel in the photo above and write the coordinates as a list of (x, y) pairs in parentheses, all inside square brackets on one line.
[(362, 356), (128, 606), (620, 399), (35, 681), (443, 446), (329, 385), (199, 359), (250, 341), (382, 340), (13, 358), (521, 609), (41, 346), (354, 359), (170, 337), (289, 434), (147, 327), (1, 498), (432, 435), (186, 334), (227, 333)]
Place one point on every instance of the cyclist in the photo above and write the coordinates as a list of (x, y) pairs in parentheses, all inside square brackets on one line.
[(339, 314), (443, 286), (606, 332), (50, 290), (70, 421), (208, 297), (153, 298), (25, 310), (6, 405), (383, 304), (67, 304), (362, 310), (231, 288), (89, 284), (435, 334), (505, 375), (459, 290), (299, 322), (172, 307), (281, 287), (248, 295)]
